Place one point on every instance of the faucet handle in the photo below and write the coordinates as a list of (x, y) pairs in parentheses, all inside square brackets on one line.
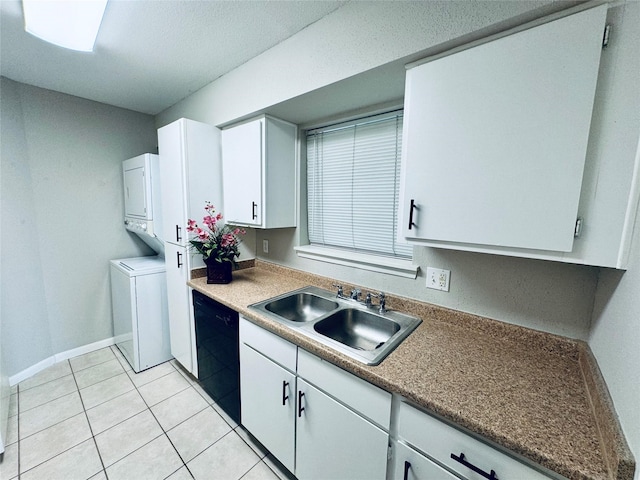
[(367, 300), (339, 287), (383, 300)]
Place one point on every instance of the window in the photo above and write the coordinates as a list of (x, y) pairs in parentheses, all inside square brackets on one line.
[(353, 182)]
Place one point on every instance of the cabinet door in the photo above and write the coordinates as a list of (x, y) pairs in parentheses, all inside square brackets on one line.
[(411, 465), (267, 399), (335, 442), (180, 328), (495, 138), (242, 172), (172, 181)]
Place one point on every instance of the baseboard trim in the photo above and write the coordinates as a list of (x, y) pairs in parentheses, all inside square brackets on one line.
[(59, 357)]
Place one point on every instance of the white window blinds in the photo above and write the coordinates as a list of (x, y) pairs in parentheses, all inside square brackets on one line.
[(353, 183)]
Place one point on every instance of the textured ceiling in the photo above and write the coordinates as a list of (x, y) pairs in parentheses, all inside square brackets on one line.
[(152, 53)]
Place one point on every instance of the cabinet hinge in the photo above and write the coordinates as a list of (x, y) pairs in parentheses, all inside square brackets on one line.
[(605, 37), (578, 229)]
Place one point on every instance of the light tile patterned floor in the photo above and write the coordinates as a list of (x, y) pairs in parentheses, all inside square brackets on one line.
[(92, 417)]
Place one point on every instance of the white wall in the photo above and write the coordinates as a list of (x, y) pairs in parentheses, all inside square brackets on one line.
[(615, 341), (357, 37), (62, 208)]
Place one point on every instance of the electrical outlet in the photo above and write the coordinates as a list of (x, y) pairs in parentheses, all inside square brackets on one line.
[(265, 246), (438, 279)]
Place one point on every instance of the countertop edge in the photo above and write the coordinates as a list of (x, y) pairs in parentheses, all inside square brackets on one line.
[(615, 448)]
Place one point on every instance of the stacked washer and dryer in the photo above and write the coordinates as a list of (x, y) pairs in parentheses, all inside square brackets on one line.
[(138, 285)]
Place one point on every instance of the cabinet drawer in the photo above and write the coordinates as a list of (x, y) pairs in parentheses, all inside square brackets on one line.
[(440, 441), (367, 399), (411, 465), (277, 349)]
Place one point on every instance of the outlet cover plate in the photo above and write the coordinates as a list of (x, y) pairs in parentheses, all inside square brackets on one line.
[(438, 278)]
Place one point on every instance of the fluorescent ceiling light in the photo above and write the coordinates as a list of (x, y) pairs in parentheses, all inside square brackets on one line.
[(70, 24)]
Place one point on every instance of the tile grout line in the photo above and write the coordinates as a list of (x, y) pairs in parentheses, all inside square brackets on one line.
[(50, 400), (232, 429), (90, 366), (102, 380), (93, 437), (159, 424), (73, 373), (57, 423), (135, 387), (20, 473), (192, 383)]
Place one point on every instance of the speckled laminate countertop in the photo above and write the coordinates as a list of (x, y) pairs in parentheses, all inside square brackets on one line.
[(538, 395)]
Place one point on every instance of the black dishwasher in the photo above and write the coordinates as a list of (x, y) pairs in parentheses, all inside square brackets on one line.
[(218, 352)]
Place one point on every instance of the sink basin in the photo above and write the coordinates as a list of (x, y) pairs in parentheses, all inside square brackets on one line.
[(357, 329), (301, 307), (347, 326)]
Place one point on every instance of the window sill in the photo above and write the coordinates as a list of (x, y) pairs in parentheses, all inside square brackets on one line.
[(390, 266)]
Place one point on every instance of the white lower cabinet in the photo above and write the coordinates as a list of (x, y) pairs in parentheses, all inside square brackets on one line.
[(322, 422), (459, 452), (305, 423), (412, 465), (334, 441), (268, 403)]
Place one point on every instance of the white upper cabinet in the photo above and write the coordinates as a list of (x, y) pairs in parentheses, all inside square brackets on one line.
[(259, 173), (190, 170), (496, 142)]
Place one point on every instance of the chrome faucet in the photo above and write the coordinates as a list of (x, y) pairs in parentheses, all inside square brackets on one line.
[(355, 293)]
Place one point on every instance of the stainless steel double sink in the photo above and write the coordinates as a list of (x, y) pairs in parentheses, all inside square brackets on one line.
[(348, 326)]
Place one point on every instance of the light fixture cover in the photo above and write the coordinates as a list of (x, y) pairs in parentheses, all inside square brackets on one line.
[(70, 24)]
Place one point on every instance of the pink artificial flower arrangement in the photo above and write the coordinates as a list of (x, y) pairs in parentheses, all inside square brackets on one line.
[(215, 240)]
